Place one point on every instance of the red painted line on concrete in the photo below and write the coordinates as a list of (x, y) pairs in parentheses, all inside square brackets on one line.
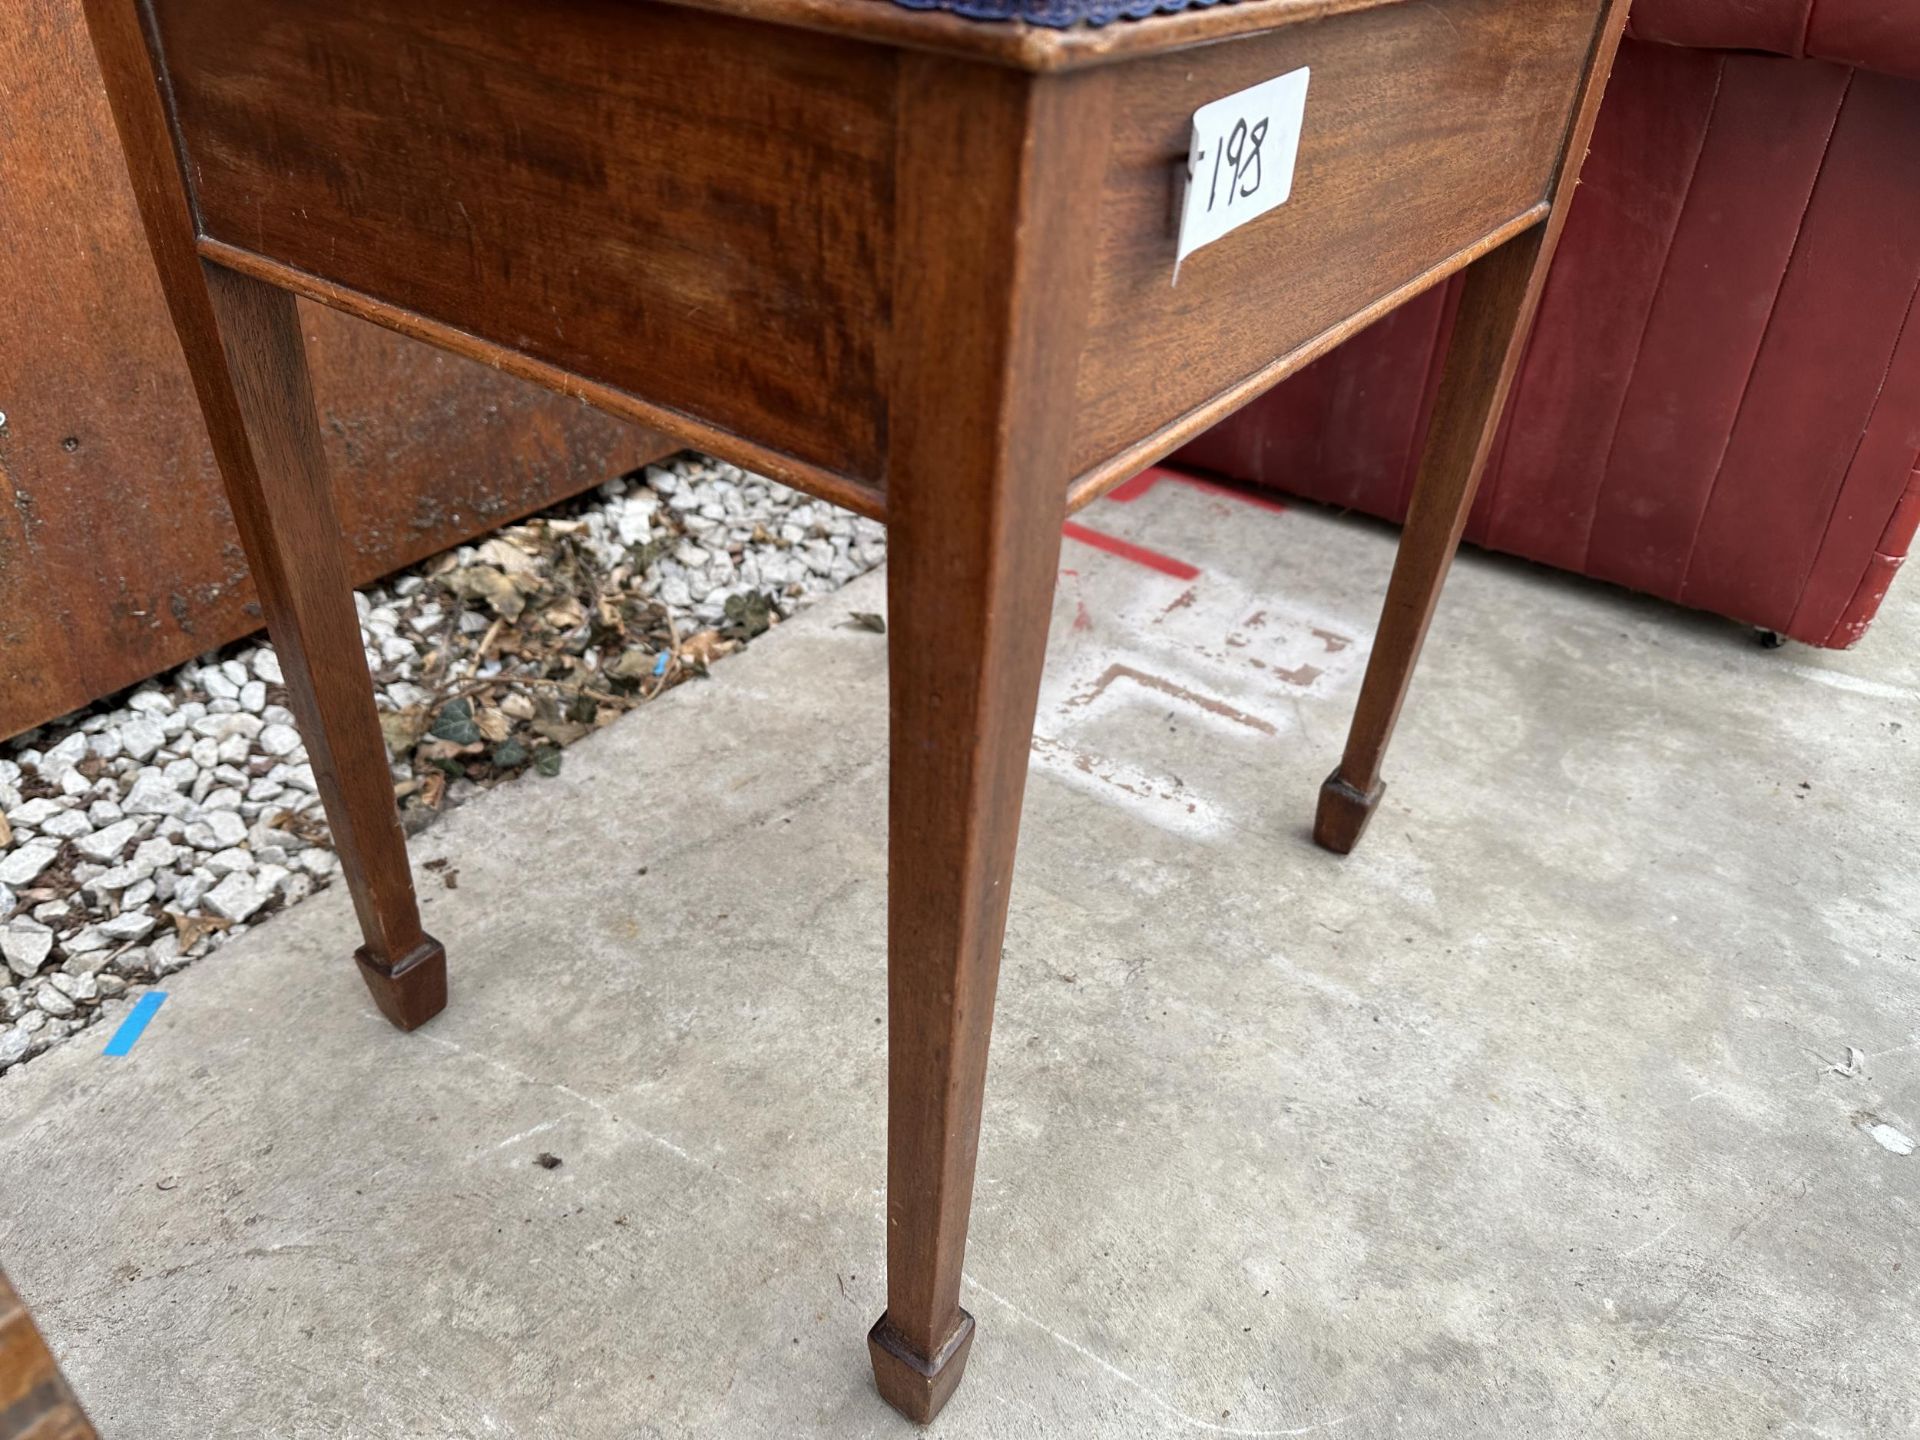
[(1143, 482), (1127, 550)]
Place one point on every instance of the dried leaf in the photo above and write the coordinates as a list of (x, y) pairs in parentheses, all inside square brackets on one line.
[(403, 728), (636, 664), (445, 752), (195, 928), (493, 724), (309, 827), (484, 583), (519, 705), (865, 620), (706, 647), (433, 789), (561, 732), (569, 614), (507, 557)]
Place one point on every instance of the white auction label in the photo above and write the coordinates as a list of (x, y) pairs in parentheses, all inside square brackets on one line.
[(1240, 161)]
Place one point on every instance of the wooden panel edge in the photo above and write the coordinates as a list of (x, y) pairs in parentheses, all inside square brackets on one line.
[(1038, 48), (840, 490), (1094, 482)]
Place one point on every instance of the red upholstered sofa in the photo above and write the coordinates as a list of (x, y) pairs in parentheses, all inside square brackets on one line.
[(1720, 403)]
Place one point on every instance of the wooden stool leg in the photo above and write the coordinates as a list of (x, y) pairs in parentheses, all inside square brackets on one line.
[(1488, 335), (968, 611), (980, 412), (36, 1403), (277, 484), (243, 350)]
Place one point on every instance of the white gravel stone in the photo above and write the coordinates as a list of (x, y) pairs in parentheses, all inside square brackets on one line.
[(63, 756), (26, 944), (236, 897), (129, 925), (53, 1002), (150, 855), (106, 844), (279, 739), (68, 825), (100, 889), (317, 862), (88, 939), (154, 794), (266, 665), (25, 862), (218, 685), (217, 830), (86, 962), (141, 738), (237, 860), (253, 696), (34, 813), (104, 812), (150, 702), (14, 1044)]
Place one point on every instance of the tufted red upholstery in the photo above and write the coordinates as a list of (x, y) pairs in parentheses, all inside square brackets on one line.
[(1882, 35), (1720, 403)]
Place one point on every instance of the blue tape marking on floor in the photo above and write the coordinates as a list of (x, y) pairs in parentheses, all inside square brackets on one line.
[(135, 1022)]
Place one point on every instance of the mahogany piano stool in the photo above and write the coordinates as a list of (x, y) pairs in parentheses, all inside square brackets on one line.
[(917, 264)]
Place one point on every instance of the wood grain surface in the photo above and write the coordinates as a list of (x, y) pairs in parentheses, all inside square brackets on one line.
[(35, 1401), (1427, 127), (1001, 169), (576, 182), (118, 556)]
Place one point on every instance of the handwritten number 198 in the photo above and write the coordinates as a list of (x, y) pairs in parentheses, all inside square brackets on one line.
[(1242, 152)]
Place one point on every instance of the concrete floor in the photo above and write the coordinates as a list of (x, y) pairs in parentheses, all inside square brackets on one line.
[(1516, 1123)]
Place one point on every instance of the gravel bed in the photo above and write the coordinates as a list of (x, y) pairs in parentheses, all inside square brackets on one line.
[(144, 832)]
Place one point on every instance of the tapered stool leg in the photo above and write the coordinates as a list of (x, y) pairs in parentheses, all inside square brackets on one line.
[(277, 484), (1488, 334), (1497, 304), (968, 633), (242, 344), (980, 412)]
